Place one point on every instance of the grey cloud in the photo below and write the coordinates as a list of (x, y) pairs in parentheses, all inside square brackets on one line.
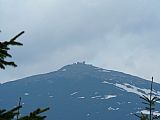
[(121, 35)]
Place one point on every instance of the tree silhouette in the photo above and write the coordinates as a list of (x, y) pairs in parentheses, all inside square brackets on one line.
[(150, 102), (5, 47), (14, 113)]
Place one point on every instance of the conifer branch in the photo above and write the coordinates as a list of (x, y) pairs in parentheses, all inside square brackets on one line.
[(4, 48)]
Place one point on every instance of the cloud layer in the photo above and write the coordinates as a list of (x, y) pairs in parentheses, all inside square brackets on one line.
[(113, 34)]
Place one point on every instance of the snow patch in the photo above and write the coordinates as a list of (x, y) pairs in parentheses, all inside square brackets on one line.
[(26, 94), (119, 103), (158, 101), (110, 108), (132, 89), (88, 114), (81, 97), (64, 70), (95, 97), (74, 93), (109, 96), (147, 112), (105, 82), (103, 70)]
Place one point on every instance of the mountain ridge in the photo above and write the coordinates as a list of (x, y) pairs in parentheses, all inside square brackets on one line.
[(80, 64), (80, 91)]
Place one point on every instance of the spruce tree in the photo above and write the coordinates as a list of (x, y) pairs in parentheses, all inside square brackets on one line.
[(14, 113), (149, 102)]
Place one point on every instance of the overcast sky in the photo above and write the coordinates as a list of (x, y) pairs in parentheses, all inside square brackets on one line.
[(122, 35)]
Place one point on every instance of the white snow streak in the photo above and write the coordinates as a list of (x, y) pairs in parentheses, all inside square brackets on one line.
[(81, 97), (147, 112), (109, 96), (96, 97), (74, 93), (110, 108), (132, 89)]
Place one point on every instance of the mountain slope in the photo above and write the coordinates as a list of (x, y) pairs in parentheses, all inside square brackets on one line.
[(79, 91)]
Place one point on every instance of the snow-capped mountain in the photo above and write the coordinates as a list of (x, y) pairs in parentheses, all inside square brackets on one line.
[(80, 92)]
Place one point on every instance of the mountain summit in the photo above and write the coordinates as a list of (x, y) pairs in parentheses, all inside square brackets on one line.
[(80, 91)]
